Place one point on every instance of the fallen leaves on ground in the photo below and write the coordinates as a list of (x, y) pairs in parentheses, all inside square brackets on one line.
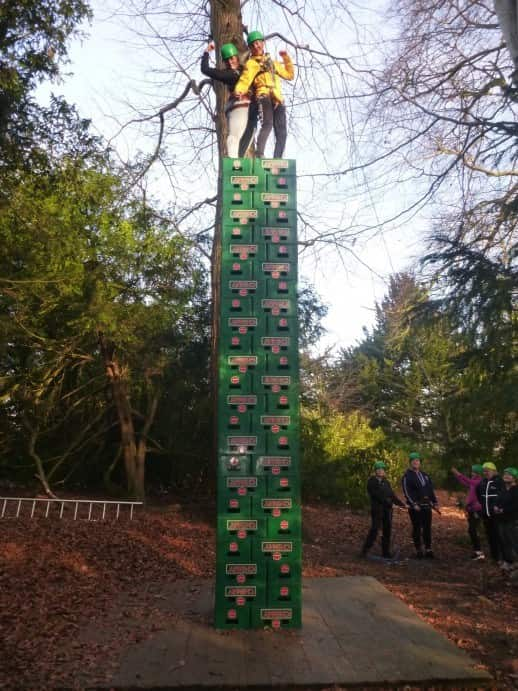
[(60, 578)]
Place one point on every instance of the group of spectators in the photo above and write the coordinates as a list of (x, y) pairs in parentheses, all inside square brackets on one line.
[(491, 500)]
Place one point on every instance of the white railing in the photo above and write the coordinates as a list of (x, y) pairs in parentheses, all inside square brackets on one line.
[(84, 509)]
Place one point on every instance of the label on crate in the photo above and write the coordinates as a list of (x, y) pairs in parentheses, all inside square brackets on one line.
[(241, 360), (233, 482), (237, 322), (274, 461), (272, 380), (240, 591), (242, 441), (241, 525), (276, 233), (243, 180), (243, 215), (243, 285), (276, 267), (272, 304), (270, 614), (276, 503), (282, 341), (275, 420), (278, 547), (274, 164), (241, 569), (275, 197), (241, 400), (243, 249)]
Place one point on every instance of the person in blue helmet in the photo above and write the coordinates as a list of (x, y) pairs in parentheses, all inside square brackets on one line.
[(241, 113)]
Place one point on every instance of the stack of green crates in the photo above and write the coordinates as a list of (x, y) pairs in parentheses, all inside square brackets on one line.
[(258, 580)]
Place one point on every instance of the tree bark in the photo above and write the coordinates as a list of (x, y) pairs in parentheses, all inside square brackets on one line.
[(123, 407), (226, 27), (31, 448)]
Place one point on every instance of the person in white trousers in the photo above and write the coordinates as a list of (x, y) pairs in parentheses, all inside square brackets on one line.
[(507, 13), (241, 114)]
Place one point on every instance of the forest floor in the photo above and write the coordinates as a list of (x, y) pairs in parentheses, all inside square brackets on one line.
[(61, 577)]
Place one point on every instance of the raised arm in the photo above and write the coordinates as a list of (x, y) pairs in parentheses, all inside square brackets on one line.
[(285, 69), (461, 478)]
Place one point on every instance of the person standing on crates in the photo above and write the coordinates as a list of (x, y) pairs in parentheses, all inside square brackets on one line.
[(382, 498), (241, 118), (262, 75)]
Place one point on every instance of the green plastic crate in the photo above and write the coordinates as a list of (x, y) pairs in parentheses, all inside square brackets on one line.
[(237, 166), (237, 232), (273, 200), (229, 617), (281, 183), (276, 617), (282, 594), (275, 166), (275, 217), (276, 235), (241, 573), (284, 485)]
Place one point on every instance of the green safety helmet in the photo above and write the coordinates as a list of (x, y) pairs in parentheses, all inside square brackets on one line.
[(477, 468), (379, 465), (488, 465), (254, 36), (414, 456), (511, 471), (228, 50)]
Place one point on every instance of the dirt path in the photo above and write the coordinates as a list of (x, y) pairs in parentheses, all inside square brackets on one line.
[(58, 578)]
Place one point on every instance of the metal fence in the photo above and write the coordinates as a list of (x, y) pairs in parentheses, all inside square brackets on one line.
[(78, 509)]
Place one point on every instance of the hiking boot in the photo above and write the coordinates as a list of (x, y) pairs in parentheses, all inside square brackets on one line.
[(478, 556), (429, 554)]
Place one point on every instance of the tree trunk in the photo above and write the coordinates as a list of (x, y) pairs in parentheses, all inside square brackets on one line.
[(123, 407), (226, 27), (31, 448), (507, 14)]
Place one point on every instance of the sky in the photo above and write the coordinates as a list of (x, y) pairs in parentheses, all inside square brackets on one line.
[(112, 76)]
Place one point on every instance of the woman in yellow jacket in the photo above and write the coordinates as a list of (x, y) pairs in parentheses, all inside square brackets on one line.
[(261, 76)]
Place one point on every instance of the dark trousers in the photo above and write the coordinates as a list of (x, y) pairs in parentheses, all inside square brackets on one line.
[(272, 115), (421, 527), (493, 538), (508, 532), (473, 524), (380, 518)]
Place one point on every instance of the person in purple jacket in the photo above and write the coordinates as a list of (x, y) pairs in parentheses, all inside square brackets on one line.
[(473, 506)]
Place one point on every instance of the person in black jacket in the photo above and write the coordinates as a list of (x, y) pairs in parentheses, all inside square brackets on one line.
[(507, 512), (421, 499), (241, 113), (382, 499), (489, 492)]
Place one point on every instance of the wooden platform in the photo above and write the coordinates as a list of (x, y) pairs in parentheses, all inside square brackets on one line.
[(355, 634)]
